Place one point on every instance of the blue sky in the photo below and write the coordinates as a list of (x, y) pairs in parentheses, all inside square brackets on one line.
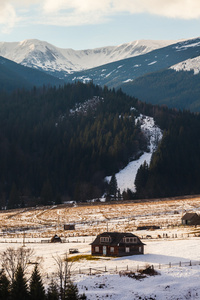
[(83, 24)]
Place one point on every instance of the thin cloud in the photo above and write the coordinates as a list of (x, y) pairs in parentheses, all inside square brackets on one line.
[(183, 9), (8, 17), (80, 12)]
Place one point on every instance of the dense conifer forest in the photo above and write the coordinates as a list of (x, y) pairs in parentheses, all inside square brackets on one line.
[(175, 89), (60, 143), (174, 168), (49, 148)]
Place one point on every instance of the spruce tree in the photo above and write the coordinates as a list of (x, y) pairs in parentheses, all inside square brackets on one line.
[(141, 179), (19, 289), (37, 291), (52, 293), (112, 188), (71, 292), (4, 286)]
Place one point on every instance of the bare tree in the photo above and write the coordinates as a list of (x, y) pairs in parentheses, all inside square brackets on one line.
[(63, 272), (12, 258)]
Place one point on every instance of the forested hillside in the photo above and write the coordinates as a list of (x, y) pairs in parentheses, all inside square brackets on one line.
[(60, 143), (179, 90), (63, 142), (174, 168), (15, 76)]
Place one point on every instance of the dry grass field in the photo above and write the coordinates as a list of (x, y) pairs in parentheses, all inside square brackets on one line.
[(92, 219)]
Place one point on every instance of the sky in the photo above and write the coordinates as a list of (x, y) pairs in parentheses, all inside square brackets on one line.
[(86, 24)]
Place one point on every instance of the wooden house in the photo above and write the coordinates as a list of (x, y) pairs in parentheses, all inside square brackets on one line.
[(117, 244), (191, 219)]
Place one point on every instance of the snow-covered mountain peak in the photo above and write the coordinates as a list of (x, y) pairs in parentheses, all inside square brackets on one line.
[(42, 55)]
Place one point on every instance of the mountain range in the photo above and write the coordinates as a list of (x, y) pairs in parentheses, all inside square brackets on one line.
[(44, 56), (141, 68)]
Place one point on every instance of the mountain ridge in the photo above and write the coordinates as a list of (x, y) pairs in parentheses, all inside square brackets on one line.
[(45, 56), (119, 72)]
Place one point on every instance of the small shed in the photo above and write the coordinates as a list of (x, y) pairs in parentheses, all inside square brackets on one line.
[(117, 244), (69, 226), (56, 239), (191, 219)]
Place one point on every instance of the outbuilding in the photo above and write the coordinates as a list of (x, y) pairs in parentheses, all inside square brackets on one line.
[(69, 226), (191, 219), (56, 239)]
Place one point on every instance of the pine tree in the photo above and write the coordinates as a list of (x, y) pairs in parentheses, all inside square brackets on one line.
[(52, 293), (71, 292), (19, 289), (37, 291), (141, 179), (83, 297), (112, 188), (4, 286)]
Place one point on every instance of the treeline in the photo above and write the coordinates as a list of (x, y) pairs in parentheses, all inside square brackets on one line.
[(174, 167), (17, 284), (34, 290)]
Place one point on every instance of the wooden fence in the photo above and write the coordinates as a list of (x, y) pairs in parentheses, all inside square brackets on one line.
[(132, 268)]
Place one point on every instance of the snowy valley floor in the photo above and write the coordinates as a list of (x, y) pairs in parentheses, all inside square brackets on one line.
[(180, 281), (169, 245)]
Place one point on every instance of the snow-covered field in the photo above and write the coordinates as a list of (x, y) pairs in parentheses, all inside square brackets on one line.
[(170, 244), (175, 282)]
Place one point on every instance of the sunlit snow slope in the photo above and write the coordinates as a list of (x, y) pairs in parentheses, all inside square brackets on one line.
[(126, 177)]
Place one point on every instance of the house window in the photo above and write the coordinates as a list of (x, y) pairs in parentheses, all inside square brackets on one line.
[(140, 249), (127, 249), (112, 249), (96, 249), (130, 240), (105, 239)]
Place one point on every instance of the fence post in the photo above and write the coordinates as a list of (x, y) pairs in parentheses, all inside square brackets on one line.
[(90, 271), (159, 266), (105, 269), (190, 263), (116, 269), (127, 268), (170, 265), (180, 264)]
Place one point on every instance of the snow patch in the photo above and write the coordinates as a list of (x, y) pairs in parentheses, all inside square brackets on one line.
[(128, 80), (152, 63), (192, 64)]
